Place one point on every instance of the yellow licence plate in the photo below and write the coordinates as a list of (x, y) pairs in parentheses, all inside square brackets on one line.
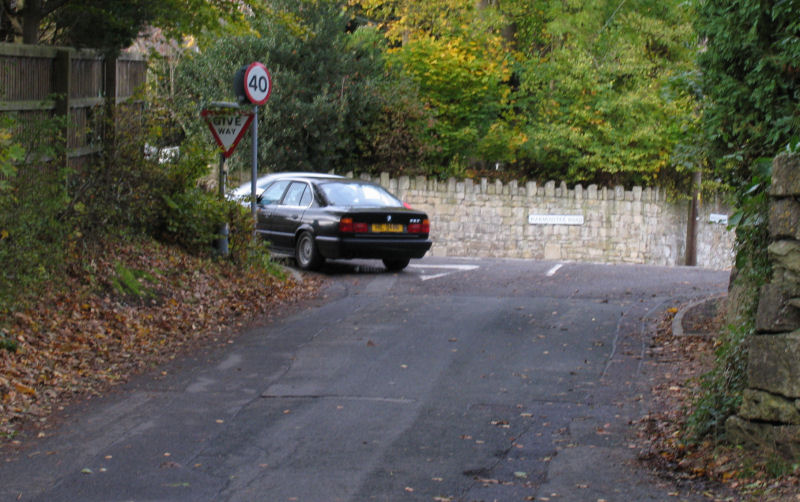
[(386, 227)]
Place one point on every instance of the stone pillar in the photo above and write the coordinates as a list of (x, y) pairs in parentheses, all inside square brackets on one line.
[(769, 418)]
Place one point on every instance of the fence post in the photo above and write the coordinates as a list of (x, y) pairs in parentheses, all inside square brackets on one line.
[(62, 87), (110, 94)]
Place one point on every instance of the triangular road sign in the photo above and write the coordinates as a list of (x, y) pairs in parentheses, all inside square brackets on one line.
[(228, 127)]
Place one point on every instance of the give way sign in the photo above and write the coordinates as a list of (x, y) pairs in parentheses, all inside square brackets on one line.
[(228, 127)]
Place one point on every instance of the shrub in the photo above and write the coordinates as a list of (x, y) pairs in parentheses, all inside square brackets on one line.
[(33, 222)]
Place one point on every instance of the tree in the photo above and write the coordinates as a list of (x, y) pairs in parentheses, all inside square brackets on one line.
[(751, 83), (598, 94), (751, 110), (751, 80), (453, 51), (581, 91), (110, 25), (329, 92)]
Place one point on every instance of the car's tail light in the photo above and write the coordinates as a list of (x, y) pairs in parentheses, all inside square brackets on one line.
[(423, 227), (348, 226)]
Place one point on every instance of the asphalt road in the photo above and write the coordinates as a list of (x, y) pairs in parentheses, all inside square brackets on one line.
[(456, 380)]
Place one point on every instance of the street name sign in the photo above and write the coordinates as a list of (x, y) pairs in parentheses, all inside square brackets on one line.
[(555, 219)]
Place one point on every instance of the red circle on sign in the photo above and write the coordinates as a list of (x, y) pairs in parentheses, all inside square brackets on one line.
[(257, 83)]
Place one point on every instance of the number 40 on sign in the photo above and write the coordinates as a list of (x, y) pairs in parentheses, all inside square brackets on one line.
[(253, 84)]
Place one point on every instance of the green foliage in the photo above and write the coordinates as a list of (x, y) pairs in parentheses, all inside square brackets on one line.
[(751, 80), (777, 467), (464, 87), (581, 91), (193, 218), (7, 344), (750, 220), (33, 226), (10, 153), (601, 105), (722, 386), (751, 87), (132, 282), (328, 88), (130, 189), (394, 138), (119, 189), (77, 23), (461, 66), (111, 25)]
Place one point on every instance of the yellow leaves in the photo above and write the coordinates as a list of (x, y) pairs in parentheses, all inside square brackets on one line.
[(24, 389)]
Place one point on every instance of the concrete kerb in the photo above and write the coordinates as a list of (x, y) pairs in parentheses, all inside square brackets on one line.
[(292, 272), (677, 322)]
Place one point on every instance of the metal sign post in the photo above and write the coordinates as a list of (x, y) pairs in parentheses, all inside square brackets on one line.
[(253, 84), (254, 169), (222, 243), (228, 124)]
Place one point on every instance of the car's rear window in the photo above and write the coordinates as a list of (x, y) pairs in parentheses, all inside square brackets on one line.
[(355, 194)]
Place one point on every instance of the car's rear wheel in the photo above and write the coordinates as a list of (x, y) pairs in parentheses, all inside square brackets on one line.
[(306, 253), (396, 264)]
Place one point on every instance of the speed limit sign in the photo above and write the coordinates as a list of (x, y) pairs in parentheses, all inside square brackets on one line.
[(256, 83)]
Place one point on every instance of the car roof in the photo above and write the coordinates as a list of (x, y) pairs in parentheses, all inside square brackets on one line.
[(244, 188), (303, 175)]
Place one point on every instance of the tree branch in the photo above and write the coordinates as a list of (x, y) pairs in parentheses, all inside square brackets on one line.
[(50, 6), (12, 15)]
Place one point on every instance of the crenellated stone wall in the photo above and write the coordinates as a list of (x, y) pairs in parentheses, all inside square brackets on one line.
[(769, 417), (479, 218)]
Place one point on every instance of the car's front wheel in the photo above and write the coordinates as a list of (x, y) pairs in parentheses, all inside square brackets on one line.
[(396, 264), (306, 253)]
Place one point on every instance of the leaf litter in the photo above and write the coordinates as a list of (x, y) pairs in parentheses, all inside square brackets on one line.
[(81, 337), (719, 471)]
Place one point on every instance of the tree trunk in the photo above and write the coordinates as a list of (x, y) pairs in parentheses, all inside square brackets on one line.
[(509, 31), (691, 226), (31, 18)]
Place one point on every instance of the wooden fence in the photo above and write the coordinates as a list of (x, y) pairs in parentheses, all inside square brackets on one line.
[(38, 82)]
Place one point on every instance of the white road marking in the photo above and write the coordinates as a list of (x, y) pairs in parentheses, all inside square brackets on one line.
[(451, 269), (552, 271)]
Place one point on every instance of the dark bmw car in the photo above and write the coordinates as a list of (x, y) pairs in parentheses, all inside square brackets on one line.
[(315, 218)]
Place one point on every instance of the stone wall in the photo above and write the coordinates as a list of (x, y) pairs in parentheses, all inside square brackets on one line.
[(769, 417), (605, 225)]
